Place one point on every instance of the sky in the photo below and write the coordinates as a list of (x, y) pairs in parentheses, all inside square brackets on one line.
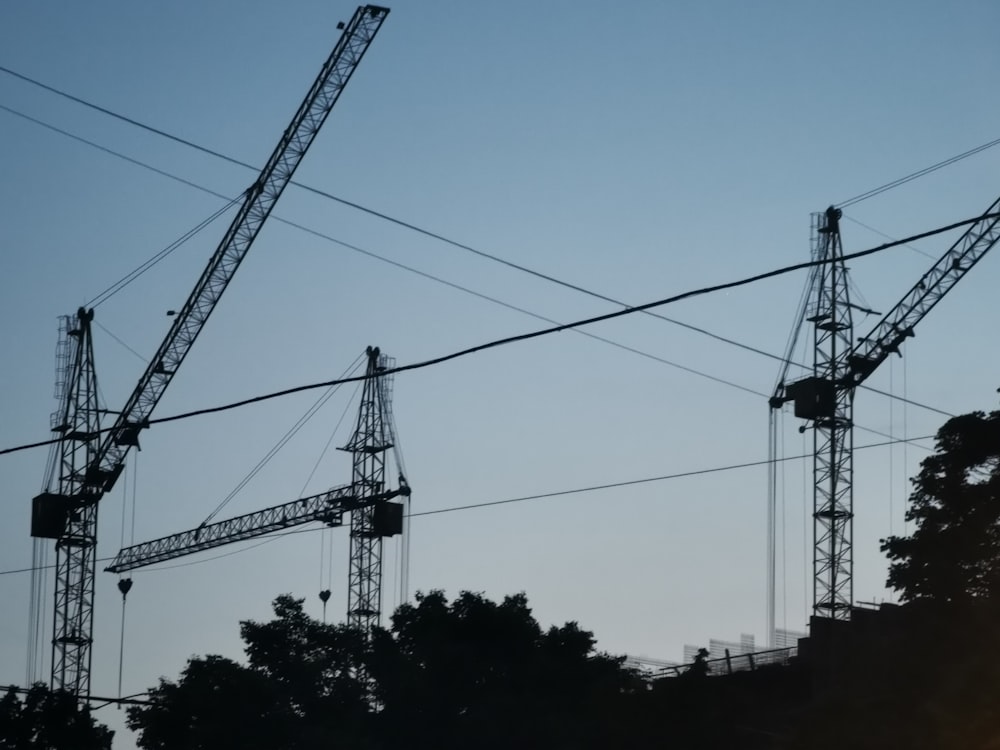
[(637, 151)]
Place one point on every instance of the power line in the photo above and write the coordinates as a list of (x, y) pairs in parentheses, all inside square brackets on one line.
[(542, 332), (455, 243), (403, 266), (442, 238), (524, 498), (646, 480)]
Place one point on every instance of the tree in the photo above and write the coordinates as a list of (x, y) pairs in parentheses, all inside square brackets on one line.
[(298, 690), (470, 673), (475, 673), (48, 720), (953, 555)]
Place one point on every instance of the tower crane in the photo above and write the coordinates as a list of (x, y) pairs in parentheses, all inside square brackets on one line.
[(373, 514), (90, 459), (825, 399)]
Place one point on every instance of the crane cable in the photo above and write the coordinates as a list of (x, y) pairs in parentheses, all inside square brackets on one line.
[(914, 175), (289, 434), (158, 256), (326, 539)]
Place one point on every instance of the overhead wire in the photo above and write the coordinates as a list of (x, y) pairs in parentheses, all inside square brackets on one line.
[(517, 338), (633, 482), (386, 217), (219, 155), (538, 496), (403, 266)]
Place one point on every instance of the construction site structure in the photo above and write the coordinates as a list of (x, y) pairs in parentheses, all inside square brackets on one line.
[(67, 510), (373, 514), (825, 399)]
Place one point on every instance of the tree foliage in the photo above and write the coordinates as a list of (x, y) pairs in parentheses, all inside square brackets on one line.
[(47, 720), (470, 673), (297, 690), (954, 552), (475, 673)]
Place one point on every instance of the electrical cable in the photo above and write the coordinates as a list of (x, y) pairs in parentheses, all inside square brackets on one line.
[(526, 498), (399, 222), (745, 281), (402, 265), (632, 482), (219, 155), (434, 235)]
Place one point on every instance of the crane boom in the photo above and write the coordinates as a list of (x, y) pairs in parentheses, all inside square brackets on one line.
[(258, 201), (327, 507), (897, 325)]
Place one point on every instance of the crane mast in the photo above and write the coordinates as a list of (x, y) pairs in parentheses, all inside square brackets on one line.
[(372, 438), (373, 515), (62, 512), (72, 511), (826, 397)]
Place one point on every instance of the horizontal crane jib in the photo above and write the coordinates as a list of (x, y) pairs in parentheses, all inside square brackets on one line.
[(327, 507)]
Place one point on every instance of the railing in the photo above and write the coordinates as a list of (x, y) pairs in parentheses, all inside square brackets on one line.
[(732, 663)]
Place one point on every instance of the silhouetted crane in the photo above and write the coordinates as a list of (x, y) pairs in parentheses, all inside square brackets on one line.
[(89, 460), (826, 398)]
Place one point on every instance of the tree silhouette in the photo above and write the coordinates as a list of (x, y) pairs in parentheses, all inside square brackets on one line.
[(954, 552), (475, 673), (49, 721), (470, 673), (297, 691)]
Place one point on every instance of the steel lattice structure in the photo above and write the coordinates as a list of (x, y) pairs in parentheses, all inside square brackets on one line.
[(826, 398), (327, 507), (371, 439), (74, 595), (78, 423), (833, 434), (373, 516)]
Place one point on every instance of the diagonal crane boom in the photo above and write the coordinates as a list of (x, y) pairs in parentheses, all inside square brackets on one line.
[(258, 201), (898, 324), (74, 506)]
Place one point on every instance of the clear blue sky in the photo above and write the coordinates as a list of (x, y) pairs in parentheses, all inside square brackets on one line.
[(639, 150)]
